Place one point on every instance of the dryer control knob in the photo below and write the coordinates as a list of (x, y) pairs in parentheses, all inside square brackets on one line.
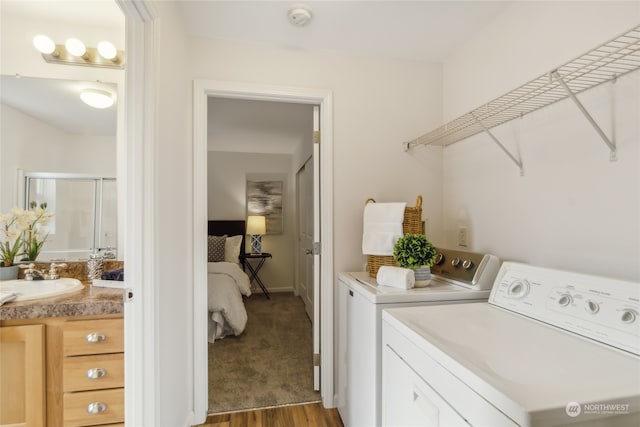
[(455, 262), (591, 307), (628, 316), (565, 300), (518, 289), (467, 264), (439, 259)]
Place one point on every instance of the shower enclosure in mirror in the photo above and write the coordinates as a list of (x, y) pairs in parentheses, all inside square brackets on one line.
[(85, 209)]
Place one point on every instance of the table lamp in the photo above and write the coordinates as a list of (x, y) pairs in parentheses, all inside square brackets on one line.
[(256, 227)]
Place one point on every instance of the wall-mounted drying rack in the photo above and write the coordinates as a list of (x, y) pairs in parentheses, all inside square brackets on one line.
[(605, 63)]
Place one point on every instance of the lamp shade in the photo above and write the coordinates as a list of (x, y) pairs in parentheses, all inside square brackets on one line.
[(256, 224)]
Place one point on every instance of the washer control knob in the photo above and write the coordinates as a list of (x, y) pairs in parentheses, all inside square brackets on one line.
[(467, 264), (439, 259), (628, 316), (455, 262), (518, 289), (591, 307), (565, 300)]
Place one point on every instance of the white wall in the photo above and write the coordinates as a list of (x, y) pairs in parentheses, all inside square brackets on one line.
[(573, 209), (226, 184), (34, 146), (378, 104), (172, 251), (20, 57)]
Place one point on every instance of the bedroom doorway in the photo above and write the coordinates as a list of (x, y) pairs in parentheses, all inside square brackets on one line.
[(203, 90)]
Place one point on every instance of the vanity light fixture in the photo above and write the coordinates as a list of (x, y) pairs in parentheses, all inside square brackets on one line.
[(74, 52), (107, 50), (97, 98), (44, 44), (75, 47)]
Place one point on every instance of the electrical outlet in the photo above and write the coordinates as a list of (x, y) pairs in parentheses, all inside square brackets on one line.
[(462, 236)]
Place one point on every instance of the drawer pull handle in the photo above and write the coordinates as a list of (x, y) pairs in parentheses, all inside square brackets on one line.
[(94, 337), (95, 373), (96, 407)]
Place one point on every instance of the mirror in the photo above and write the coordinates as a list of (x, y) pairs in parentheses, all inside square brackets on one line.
[(55, 148)]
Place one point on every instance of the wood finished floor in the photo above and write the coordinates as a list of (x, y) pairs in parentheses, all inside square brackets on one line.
[(311, 415)]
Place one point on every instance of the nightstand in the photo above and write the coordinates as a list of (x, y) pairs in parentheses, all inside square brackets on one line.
[(254, 269)]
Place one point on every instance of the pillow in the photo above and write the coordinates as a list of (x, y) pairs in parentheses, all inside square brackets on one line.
[(215, 245), (232, 249)]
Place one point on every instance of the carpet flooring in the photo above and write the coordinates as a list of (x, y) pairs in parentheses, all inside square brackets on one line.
[(270, 363)]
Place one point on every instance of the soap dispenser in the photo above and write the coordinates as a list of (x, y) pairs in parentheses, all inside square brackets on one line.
[(95, 265)]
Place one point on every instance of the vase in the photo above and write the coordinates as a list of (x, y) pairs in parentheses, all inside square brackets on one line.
[(9, 273), (423, 276)]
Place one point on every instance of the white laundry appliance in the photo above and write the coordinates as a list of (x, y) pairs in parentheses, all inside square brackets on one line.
[(549, 348), (458, 277)]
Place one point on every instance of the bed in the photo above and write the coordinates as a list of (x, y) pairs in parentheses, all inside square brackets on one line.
[(227, 283)]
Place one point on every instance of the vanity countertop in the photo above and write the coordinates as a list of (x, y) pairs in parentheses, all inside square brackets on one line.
[(89, 301)]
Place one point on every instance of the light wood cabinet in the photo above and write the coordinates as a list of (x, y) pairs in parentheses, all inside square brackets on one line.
[(93, 372), (22, 376), (62, 371)]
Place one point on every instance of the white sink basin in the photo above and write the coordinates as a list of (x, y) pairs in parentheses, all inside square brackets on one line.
[(34, 289)]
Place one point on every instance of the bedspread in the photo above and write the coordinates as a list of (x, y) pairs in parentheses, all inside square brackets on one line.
[(226, 285)]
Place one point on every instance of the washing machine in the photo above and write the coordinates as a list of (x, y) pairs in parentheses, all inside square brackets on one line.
[(549, 348), (458, 277)]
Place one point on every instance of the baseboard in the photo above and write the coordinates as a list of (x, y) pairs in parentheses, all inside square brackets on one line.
[(274, 290)]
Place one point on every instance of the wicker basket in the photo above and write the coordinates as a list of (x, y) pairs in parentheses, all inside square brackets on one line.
[(412, 224)]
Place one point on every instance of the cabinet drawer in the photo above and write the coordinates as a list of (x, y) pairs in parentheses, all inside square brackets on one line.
[(93, 372), (93, 337), (107, 407)]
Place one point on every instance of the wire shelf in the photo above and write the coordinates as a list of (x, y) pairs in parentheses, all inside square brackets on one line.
[(606, 62)]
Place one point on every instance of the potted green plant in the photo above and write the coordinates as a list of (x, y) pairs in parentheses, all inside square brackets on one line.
[(35, 219), (414, 251), (10, 243)]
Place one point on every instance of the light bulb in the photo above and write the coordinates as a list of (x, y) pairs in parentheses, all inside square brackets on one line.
[(75, 47), (107, 50), (97, 98), (44, 44)]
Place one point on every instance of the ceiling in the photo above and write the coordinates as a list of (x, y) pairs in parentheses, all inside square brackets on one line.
[(57, 102), (238, 125), (409, 30)]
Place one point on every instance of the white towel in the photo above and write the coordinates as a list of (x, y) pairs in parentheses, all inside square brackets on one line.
[(382, 227), (397, 277), (6, 296)]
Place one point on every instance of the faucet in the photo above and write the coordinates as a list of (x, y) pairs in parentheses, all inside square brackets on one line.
[(32, 274)]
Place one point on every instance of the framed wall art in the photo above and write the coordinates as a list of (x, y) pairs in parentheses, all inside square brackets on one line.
[(265, 198)]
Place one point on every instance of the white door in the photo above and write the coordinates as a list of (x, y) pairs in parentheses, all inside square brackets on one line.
[(316, 245), (308, 268), (304, 180)]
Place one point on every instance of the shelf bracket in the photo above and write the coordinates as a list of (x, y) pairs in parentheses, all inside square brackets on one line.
[(511, 156), (612, 146)]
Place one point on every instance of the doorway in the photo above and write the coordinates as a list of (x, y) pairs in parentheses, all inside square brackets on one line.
[(254, 147), (202, 90)]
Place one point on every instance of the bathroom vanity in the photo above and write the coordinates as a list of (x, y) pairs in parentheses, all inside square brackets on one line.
[(62, 360)]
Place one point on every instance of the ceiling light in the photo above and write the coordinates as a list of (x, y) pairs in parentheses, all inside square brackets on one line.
[(44, 44), (107, 50), (299, 16), (97, 98), (75, 47)]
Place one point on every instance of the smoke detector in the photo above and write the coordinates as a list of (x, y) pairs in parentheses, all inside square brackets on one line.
[(299, 16)]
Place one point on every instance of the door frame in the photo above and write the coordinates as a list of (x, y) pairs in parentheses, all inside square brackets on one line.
[(141, 334), (202, 89)]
